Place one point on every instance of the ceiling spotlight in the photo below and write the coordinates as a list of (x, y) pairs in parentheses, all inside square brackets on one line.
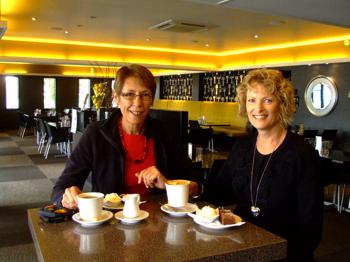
[(346, 42), (256, 36), (222, 2), (148, 39), (206, 45), (66, 32), (33, 18)]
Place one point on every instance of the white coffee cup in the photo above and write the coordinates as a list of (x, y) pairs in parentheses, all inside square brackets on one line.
[(131, 205), (90, 205), (177, 192)]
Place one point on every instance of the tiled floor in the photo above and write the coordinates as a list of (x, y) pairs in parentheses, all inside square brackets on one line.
[(26, 181)]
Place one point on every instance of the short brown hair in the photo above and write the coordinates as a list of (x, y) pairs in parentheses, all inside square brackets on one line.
[(275, 84), (137, 71)]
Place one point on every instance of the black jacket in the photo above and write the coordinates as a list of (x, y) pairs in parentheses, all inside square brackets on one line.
[(100, 152), (290, 195)]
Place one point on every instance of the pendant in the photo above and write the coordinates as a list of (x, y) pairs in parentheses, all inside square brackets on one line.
[(255, 211)]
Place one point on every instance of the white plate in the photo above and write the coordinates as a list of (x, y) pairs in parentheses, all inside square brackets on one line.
[(143, 215), (106, 215), (113, 206), (215, 225), (179, 211)]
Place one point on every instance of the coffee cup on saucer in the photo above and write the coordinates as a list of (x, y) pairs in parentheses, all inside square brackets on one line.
[(177, 192), (90, 206)]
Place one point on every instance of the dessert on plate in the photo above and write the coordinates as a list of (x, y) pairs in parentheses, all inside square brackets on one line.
[(226, 217), (112, 199), (207, 213)]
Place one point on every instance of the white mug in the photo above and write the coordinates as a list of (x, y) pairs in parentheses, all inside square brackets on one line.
[(131, 205), (177, 192), (90, 205)]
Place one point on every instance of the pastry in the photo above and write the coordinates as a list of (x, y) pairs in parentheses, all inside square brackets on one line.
[(226, 217)]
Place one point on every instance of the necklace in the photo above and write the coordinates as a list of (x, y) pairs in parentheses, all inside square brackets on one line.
[(145, 151), (254, 209)]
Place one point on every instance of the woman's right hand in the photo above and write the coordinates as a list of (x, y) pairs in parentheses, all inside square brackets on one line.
[(69, 199)]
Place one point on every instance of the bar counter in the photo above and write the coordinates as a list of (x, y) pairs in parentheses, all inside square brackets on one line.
[(160, 237)]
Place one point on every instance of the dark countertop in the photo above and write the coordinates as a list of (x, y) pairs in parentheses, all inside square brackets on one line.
[(160, 237)]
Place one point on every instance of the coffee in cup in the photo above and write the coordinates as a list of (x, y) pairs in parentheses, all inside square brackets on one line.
[(177, 192), (90, 206)]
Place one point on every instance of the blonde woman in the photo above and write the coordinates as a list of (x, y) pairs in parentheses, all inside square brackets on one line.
[(273, 175)]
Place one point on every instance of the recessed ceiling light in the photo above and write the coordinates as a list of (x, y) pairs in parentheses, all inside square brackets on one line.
[(206, 45), (66, 32), (256, 36), (148, 39), (346, 42), (277, 22), (55, 28), (222, 2), (33, 18)]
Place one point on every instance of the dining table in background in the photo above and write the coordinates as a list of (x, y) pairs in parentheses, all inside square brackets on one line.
[(160, 237)]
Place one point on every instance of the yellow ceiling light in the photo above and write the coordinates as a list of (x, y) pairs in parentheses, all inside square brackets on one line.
[(286, 45), (15, 71), (106, 45), (180, 51), (346, 42)]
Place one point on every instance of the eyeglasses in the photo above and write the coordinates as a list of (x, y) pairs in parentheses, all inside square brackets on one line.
[(132, 96)]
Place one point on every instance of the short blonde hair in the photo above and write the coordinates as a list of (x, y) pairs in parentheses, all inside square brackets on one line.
[(275, 84)]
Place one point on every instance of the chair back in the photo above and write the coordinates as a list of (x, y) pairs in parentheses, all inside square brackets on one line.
[(200, 137), (329, 134)]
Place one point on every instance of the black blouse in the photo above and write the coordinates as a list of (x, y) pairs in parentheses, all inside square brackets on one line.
[(290, 196)]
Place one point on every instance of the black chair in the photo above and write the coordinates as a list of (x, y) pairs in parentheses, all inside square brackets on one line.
[(310, 133), (25, 122), (310, 136), (329, 134), (200, 137), (59, 136), (193, 124), (344, 181)]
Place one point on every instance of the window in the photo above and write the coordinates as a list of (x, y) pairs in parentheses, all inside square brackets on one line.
[(84, 93), (49, 93), (114, 103), (12, 97)]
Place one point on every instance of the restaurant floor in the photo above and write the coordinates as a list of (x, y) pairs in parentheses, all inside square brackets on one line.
[(26, 180)]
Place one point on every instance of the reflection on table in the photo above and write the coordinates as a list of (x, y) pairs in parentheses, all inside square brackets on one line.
[(159, 238)]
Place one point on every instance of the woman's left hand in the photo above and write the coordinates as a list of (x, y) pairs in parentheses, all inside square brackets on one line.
[(151, 177)]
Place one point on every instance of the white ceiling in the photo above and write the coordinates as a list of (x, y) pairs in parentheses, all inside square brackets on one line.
[(127, 22)]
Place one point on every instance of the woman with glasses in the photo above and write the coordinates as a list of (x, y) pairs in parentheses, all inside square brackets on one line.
[(129, 152)]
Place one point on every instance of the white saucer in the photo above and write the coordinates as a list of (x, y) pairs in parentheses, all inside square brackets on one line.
[(179, 211), (106, 215), (143, 215), (113, 206), (215, 224)]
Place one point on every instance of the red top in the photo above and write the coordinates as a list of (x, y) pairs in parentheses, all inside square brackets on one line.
[(139, 155)]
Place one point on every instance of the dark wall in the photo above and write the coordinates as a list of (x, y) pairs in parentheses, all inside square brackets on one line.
[(31, 96), (339, 118)]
